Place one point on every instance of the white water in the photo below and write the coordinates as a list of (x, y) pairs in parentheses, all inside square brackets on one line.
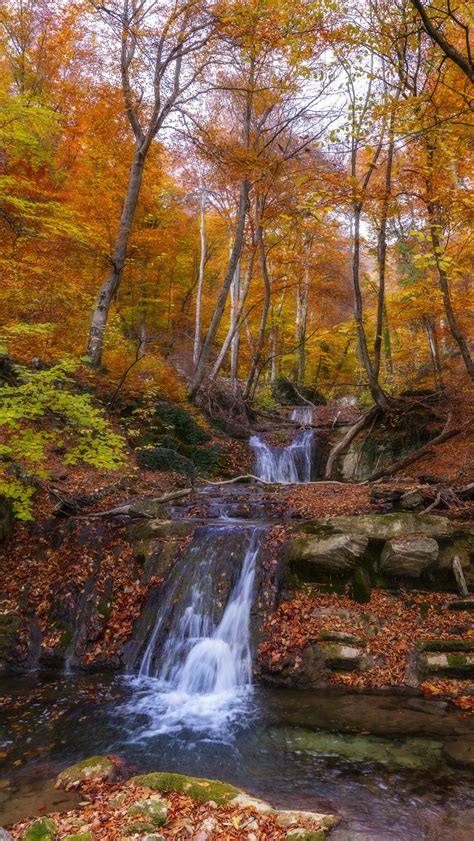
[(203, 670), (291, 464), (302, 415)]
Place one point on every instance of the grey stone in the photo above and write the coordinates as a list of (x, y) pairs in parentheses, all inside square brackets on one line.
[(408, 556), (383, 526), (411, 500), (338, 553), (452, 665), (344, 658), (460, 753), (4, 835)]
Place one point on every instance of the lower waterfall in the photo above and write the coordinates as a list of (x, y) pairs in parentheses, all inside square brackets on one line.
[(199, 652)]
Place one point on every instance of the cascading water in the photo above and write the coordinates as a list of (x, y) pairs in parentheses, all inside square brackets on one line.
[(302, 415), (199, 651), (284, 464)]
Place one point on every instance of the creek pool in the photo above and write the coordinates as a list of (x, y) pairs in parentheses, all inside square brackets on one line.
[(295, 749)]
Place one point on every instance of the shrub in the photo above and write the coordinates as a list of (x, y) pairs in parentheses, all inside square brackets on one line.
[(163, 458)]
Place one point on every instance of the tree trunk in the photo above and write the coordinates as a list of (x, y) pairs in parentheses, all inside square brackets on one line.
[(202, 264), (235, 292), (109, 288), (382, 252), (377, 394), (456, 333), (233, 328), (265, 310), (224, 290)]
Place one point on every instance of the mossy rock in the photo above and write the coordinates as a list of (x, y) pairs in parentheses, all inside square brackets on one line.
[(154, 810), (198, 789), (79, 836), (446, 645), (43, 829), (305, 834), (138, 827), (93, 768), (162, 458)]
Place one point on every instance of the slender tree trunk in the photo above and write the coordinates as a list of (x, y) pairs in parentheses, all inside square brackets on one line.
[(430, 330), (378, 395), (456, 332), (235, 293), (224, 290), (202, 265), (110, 286), (302, 331), (265, 310), (233, 328), (382, 252)]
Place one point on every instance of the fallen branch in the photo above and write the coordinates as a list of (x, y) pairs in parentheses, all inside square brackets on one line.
[(422, 451), (336, 451), (126, 510), (247, 477), (459, 576)]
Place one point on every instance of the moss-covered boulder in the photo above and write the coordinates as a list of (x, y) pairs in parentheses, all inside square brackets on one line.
[(79, 836), (199, 789), (294, 818), (93, 768), (154, 810), (298, 834), (456, 664), (382, 527), (43, 829), (341, 657)]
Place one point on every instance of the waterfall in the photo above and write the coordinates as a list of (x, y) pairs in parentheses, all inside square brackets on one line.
[(284, 464), (199, 650), (302, 415)]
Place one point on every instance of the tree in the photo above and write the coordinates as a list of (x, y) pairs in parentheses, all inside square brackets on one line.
[(161, 50)]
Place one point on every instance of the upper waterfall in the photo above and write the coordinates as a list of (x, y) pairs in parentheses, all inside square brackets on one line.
[(302, 415)]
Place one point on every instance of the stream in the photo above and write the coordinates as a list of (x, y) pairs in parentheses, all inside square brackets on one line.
[(190, 706)]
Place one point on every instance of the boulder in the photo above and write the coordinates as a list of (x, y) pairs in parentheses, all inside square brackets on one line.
[(292, 817), (412, 499), (451, 665), (301, 834), (382, 526), (408, 556), (94, 768), (153, 809), (78, 836), (338, 553), (460, 753), (344, 658), (43, 829), (198, 789)]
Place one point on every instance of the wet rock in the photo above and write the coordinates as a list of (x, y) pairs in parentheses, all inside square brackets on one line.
[(452, 665), (305, 834), (292, 817), (415, 753), (199, 789), (94, 768), (154, 810), (460, 753), (43, 829), (338, 553), (408, 556)]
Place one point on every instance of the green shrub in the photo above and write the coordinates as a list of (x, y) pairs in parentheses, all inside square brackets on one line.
[(40, 411), (163, 458), (205, 459), (169, 418)]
